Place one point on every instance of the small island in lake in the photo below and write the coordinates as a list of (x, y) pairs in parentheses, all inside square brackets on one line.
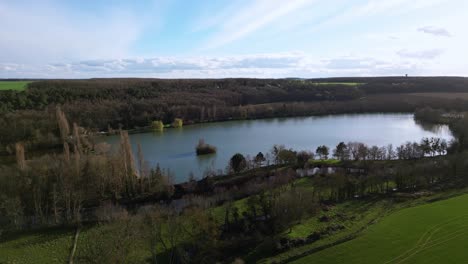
[(204, 148)]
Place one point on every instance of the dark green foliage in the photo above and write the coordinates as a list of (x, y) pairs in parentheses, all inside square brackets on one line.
[(341, 151), (287, 156), (238, 163), (322, 152), (303, 157), (259, 159)]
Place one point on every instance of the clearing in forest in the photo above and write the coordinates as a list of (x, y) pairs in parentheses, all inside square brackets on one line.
[(13, 85)]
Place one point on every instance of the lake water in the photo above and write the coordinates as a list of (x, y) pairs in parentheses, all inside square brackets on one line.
[(174, 149)]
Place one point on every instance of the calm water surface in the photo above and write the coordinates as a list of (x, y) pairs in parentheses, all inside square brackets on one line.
[(174, 149)]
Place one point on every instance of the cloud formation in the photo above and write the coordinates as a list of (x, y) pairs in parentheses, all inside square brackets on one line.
[(178, 38), (422, 54), (257, 65), (436, 31)]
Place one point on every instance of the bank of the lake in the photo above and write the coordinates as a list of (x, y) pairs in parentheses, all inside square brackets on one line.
[(174, 149)]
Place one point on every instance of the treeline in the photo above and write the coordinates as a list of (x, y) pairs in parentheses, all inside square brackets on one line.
[(352, 151), (172, 92), (414, 84)]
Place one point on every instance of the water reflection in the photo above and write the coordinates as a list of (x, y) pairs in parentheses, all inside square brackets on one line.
[(434, 128)]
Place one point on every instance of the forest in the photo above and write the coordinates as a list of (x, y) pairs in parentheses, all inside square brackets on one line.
[(110, 104), (130, 212)]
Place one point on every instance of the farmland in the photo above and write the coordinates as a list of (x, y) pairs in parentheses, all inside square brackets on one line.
[(431, 233), (338, 83), (13, 85)]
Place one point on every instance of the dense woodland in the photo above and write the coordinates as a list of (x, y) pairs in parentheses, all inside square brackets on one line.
[(110, 104), (86, 184)]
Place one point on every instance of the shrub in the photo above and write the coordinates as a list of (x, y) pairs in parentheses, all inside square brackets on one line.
[(157, 125), (238, 163), (204, 148), (178, 122)]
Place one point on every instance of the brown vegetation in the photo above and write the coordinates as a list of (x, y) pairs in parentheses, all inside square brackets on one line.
[(203, 148)]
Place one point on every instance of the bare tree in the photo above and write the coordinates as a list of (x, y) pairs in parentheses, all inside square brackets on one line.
[(62, 121), (20, 159)]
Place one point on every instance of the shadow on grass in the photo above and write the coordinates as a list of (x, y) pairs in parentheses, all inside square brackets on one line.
[(39, 236)]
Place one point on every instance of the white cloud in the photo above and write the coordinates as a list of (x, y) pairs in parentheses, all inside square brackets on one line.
[(257, 65), (8, 67), (422, 54), (436, 31)]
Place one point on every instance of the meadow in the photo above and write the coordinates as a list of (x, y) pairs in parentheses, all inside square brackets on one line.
[(13, 85)]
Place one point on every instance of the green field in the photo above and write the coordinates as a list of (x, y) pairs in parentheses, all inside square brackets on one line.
[(338, 83), (13, 85), (431, 233), (309, 82)]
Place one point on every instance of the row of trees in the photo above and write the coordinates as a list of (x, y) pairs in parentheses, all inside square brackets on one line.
[(356, 151), (360, 151)]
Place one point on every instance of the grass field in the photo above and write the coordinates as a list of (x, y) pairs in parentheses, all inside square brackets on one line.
[(53, 245), (338, 83), (328, 162), (430, 233), (13, 85)]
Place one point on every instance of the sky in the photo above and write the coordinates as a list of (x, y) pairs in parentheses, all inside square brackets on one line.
[(232, 38)]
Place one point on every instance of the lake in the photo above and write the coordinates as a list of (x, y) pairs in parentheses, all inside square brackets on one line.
[(174, 149)]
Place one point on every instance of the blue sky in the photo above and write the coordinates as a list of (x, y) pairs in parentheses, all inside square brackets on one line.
[(236, 38)]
